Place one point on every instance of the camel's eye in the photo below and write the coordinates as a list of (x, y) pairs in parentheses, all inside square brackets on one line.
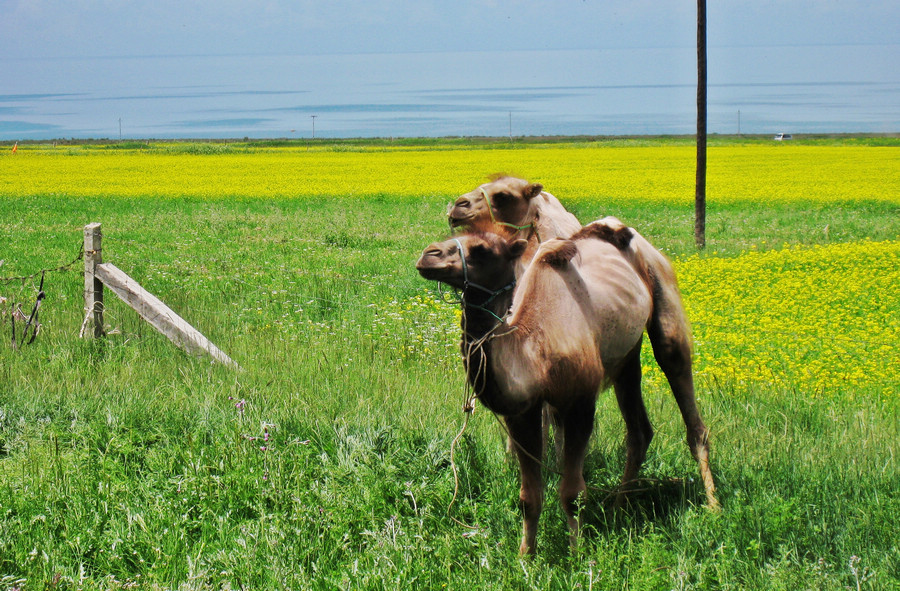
[(502, 198), (463, 204), (479, 251)]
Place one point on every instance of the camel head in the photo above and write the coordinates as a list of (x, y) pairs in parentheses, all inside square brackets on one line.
[(484, 259), (505, 200)]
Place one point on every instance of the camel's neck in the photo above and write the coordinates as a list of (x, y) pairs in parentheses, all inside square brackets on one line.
[(483, 314), (484, 311), (551, 220)]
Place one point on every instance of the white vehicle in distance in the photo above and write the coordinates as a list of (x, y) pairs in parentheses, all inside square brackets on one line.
[(782, 136)]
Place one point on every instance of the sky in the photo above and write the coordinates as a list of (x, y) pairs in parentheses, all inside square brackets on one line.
[(98, 28), (78, 67)]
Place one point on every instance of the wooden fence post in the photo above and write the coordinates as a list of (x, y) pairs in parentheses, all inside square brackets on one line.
[(149, 307), (93, 287), (159, 315)]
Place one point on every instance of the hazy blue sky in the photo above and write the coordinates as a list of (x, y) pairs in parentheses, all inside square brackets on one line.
[(93, 28), (236, 68)]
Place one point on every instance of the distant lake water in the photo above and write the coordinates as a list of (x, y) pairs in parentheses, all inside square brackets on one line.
[(798, 89)]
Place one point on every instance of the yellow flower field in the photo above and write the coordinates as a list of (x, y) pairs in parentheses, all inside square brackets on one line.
[(815, 320), (660, 173), (819, 320)]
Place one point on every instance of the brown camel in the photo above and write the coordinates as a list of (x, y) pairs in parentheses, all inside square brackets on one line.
[(573, 326), (538, 216)]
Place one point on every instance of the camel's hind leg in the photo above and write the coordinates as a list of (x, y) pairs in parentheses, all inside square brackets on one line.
[(526, 437), (670, 338), (669, 333), (638, 430)]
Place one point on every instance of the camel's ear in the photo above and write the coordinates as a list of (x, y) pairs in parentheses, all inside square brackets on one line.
[(533, 190), (517, 249)]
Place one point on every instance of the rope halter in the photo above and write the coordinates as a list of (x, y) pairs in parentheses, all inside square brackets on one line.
[(493, 219), (492, 293)]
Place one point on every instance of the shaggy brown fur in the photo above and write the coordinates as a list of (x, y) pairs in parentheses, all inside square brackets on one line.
[(620, 237), (558, 255)]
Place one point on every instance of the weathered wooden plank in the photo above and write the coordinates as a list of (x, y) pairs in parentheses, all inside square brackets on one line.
[(154, 311), (93, 288)]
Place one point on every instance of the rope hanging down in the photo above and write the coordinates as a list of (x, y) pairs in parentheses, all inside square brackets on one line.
[(60, 269), (31, 321)]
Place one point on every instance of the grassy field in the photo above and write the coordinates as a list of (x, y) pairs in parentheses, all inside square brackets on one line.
[(325, 463)]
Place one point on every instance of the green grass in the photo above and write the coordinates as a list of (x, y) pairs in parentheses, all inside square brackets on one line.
[(125, 462)]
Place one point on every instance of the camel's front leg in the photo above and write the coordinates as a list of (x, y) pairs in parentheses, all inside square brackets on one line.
[(526, 435), (578, 423)]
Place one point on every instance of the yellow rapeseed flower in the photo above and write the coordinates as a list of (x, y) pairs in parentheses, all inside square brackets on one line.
[(757, 173), (819, 320)]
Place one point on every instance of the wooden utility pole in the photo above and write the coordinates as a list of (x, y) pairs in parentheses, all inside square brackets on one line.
[(700, 192)]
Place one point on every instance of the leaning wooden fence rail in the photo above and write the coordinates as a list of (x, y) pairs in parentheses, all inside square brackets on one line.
[(149, 307)]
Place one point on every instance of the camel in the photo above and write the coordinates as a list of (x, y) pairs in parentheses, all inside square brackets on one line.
[(519, 206), (537, 216), (573, 325)]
